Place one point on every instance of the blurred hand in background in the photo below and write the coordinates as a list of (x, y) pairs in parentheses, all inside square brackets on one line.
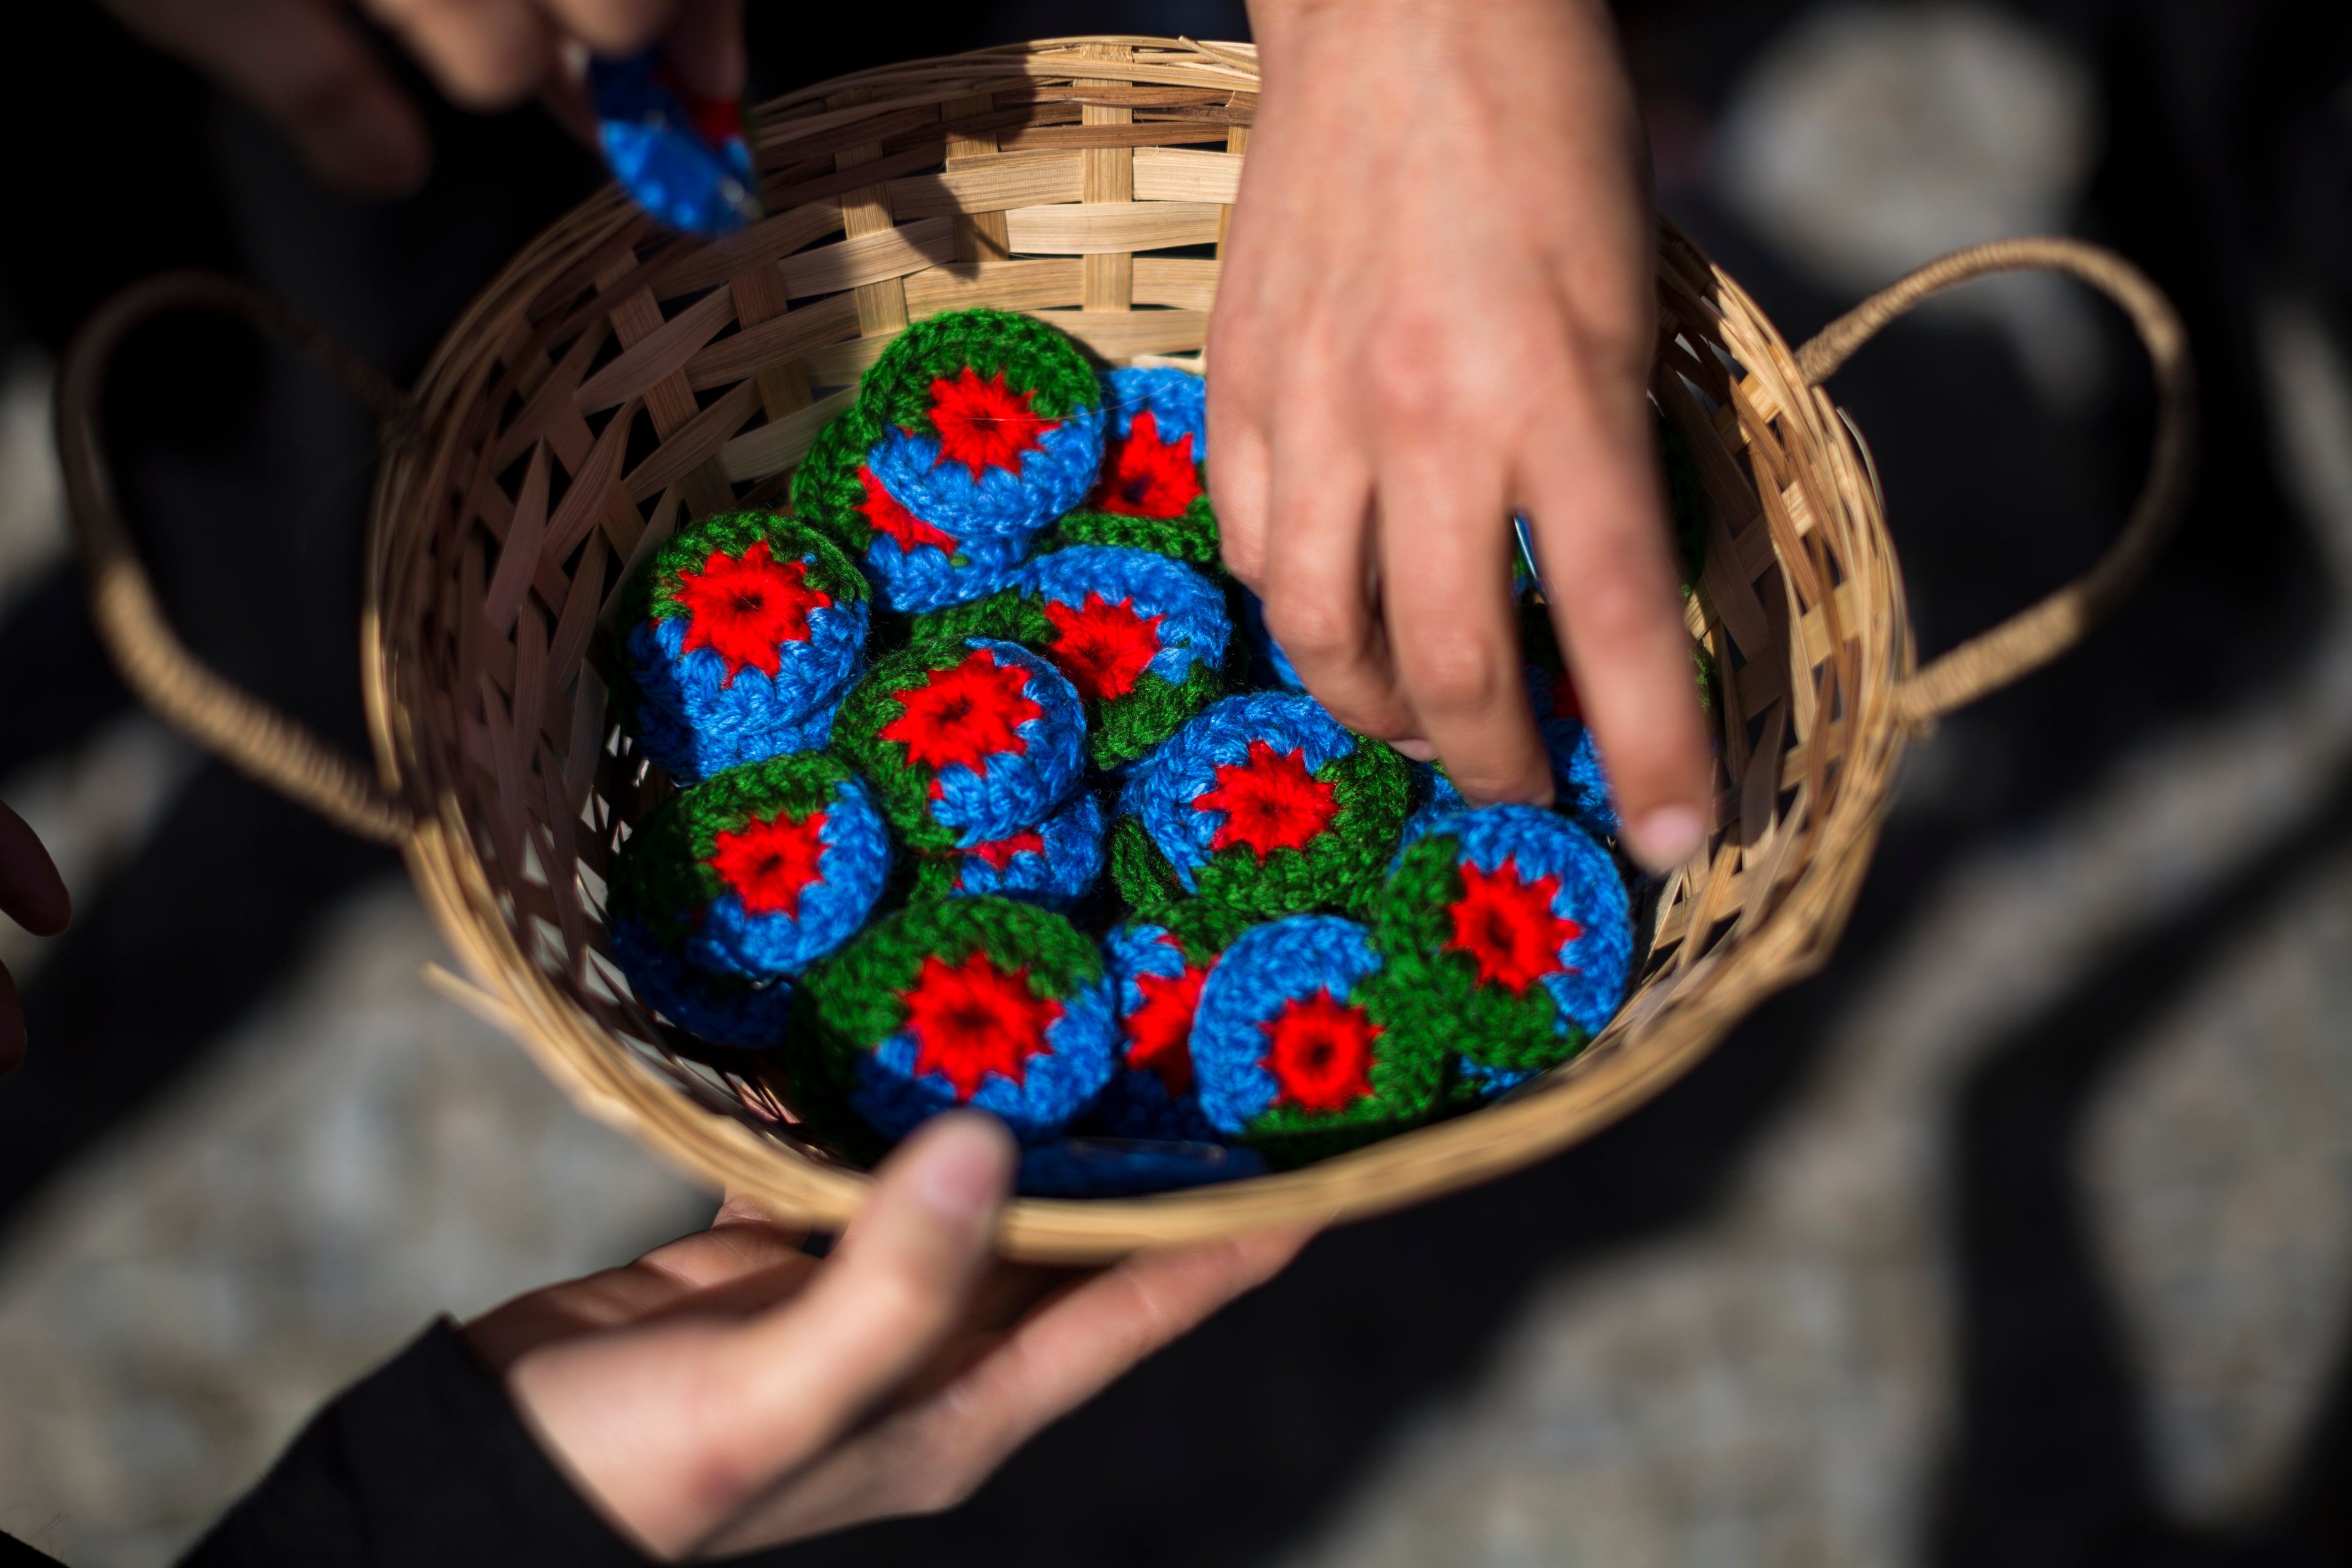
[(34, 896)]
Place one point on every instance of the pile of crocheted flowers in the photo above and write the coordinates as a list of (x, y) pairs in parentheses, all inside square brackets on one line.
[(980, 806)]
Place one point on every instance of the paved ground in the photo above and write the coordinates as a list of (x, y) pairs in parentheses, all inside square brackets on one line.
[(2033, 1215)]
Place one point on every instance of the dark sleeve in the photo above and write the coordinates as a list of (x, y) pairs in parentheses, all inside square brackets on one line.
[(422, 1461)]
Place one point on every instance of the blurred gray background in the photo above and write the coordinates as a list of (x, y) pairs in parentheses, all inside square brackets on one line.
[(2024, 1234)]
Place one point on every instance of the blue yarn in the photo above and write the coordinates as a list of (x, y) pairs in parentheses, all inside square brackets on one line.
[(1485, 1081), (1438, 801), (1055, 877), (694, 721), (716, 1007), (1576, 773), (999, 504), (1284, 961), (661, 157), (1542, 845), (1126, 1167), (851, 871), (1177, 401), (1164, 785), (1020, 791), (1058, 1086), (1138, 1104), (1194, 629), (928, 578)]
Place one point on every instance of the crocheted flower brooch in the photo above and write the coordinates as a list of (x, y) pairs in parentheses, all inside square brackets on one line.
[(740, 883), (1265, 803), (978, 1001), (744, 630), (964, 743), (972, 432), (1153, 492), (1142, 638)]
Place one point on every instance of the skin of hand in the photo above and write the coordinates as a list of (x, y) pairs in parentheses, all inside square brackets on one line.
[(309, 67), (34, 896), (729, 1392), (1435, 309)]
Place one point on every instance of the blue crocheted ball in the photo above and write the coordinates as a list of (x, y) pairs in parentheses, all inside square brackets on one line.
[(1435, 800), (1265, 803), (1054, 865), (1509, 936), (1582, 787), (1142, 636), (720, 1008), (744, 630), (965, 740), (1158, 985), (995, 497), (915, 565), (1287, 1053), (958, 1001)]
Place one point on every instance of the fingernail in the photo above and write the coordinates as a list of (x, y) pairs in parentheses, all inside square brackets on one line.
[(1419, 751), (1665, 838), (964, 1170)]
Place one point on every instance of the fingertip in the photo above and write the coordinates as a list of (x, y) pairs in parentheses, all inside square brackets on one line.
[(1666, 836), (959, 1165)]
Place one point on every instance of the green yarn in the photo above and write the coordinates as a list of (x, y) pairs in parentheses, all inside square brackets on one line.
[(651, 595), (1429, 994), (1191, 538), (663, 873), (850, 1002), (1339, 873), (826, 491), (1202, 928), (1006, 615), (902, 790), (1031, 355)]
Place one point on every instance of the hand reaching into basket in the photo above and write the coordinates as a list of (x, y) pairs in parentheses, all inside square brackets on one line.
[(34, 896), (729, 1392), (310, 70), (1436, 309)]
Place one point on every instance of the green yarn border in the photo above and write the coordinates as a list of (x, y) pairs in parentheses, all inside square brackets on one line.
[(1191, 538), (901, 789), (1406, 1077), (651, 595)]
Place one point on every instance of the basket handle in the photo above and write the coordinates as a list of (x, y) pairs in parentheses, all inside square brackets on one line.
[(2032, 637), (231, 723)]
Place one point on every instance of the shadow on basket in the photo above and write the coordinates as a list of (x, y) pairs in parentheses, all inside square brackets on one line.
[(804, 690)]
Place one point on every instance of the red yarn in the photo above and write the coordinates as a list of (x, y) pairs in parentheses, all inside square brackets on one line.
[(741, 609), (984, 424), (1144, 475), (999, 852), (1320, 1053), (887, 516), (1102, 646), (770, 864), (972, 1018), (1565, 702), (1159, 1031), (1505, 924), (965, 715), (1271, 802)]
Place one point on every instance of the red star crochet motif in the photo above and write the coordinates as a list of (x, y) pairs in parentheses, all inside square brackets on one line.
[(998, 853), (1271, 802), (1320, 1053), (965, 715), (886, 517), (770, 864), (1505, 924), (742, 610), (984, 424), (1144, 475), (1102, 646), (972, 1018), (1159, 1030)]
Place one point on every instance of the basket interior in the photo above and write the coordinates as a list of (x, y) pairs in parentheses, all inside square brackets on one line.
[(617, 380)]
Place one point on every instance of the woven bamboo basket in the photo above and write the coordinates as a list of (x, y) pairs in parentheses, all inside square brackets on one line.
[(615, 380)]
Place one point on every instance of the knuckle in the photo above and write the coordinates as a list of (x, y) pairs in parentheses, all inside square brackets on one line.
[(1449, 673), (1312, 628)]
